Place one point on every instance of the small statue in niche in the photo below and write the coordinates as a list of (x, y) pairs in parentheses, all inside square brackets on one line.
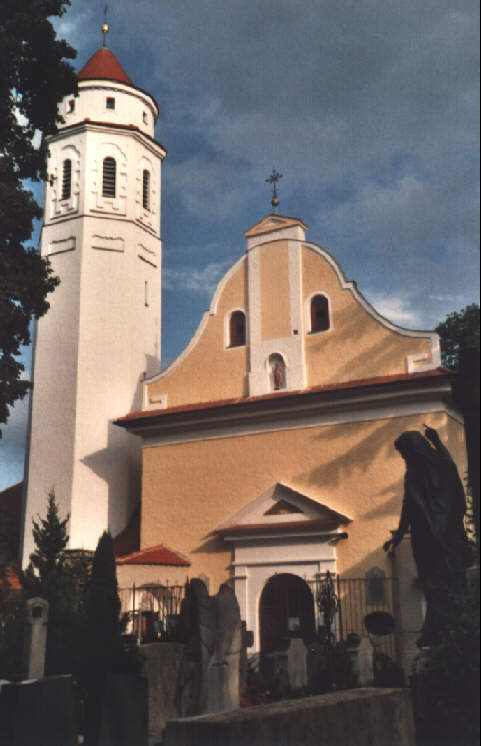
[(277, 371), (433, 509)]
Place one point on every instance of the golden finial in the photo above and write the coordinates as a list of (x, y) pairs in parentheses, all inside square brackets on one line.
[(273, 179), (105, 27)]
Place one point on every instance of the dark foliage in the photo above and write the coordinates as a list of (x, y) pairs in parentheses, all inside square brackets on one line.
[(60, 580), (459, 330), (446, 683), (103, 608), (34, 77)]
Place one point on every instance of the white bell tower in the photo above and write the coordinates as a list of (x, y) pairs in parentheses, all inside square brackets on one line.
[(101, 336)]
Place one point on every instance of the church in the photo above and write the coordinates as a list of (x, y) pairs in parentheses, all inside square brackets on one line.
[(263, 456)]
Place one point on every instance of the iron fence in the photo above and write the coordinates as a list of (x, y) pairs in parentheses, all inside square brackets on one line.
[(356, 598), (150, 610)]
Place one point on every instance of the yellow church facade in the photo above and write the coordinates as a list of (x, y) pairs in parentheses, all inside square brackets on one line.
[(267, 446)]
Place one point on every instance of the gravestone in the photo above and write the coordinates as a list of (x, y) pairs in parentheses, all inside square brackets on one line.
[(209, 678), (365, 654), (36, 637), (124, 718), (317, 668), (161, 667), (38, 713), (273, 668), (297, 667)]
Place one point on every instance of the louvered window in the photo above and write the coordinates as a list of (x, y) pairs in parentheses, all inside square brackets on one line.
[(67, 179), (108, 181), (146, 189)]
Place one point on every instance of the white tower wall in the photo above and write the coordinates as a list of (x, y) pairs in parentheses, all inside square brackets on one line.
[(102, 332)]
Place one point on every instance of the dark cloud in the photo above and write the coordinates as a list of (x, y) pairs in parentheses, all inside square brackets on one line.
[(369, 109)]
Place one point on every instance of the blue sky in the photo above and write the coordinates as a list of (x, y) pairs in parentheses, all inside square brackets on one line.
[(369, 109)]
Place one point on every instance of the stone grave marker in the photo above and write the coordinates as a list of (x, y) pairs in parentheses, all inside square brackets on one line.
[(297, 666), (366, 662), (36, 637)]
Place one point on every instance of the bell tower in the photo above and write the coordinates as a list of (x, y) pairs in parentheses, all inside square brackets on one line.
[(101, 336)]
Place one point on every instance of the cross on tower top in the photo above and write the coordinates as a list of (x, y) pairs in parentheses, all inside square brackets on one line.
[(273, 179), (105, 27)]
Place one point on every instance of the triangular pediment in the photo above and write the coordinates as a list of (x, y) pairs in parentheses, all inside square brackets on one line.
[(282, 504), (283, 507), (273, 223)]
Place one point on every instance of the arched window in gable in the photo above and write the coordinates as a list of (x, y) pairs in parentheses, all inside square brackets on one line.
[(146, 189), (109, 177), (277, 372), (66, 178), (237, 329), (320, 321)]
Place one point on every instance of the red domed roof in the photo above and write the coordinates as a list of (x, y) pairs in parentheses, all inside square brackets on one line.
[(104, 65)]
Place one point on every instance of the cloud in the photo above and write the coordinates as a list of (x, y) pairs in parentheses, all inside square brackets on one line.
[(394, 308), (200, 281)]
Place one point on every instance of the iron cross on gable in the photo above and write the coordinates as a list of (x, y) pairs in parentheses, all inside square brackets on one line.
[(273, 179)]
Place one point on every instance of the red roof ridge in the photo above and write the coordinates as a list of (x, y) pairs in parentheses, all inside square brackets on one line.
[(157, 555), (393, 378), (104, 65)]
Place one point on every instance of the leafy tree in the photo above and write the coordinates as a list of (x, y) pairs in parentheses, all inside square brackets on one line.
[(459, 330), (34, 78), (445, 682)]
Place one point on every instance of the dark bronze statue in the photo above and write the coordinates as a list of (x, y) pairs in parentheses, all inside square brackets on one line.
[(433, 509)]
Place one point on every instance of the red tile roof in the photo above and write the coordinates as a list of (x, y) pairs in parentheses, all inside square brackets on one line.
[(104, 65), (158, 555), (360, 383), (12, 578)]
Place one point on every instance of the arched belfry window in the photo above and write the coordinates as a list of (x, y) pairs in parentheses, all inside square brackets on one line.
[(277, 372), (109, 177), (319, 314), (66, 179), (146, 189), (237, 329)]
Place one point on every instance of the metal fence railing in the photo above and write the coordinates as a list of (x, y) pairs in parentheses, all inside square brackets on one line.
[(356, 599), (150, 610)]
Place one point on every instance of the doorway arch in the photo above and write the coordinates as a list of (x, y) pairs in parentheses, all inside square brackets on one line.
[(286, 609)]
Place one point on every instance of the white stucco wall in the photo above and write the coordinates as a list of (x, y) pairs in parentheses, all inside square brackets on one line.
[(101, 335)]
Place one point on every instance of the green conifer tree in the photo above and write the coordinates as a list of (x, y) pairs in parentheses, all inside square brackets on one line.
[(103, 606), (50, 576), (47, 561), (103, 634)]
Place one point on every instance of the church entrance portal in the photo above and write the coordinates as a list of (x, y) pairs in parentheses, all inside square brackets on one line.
[(286, 609)]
